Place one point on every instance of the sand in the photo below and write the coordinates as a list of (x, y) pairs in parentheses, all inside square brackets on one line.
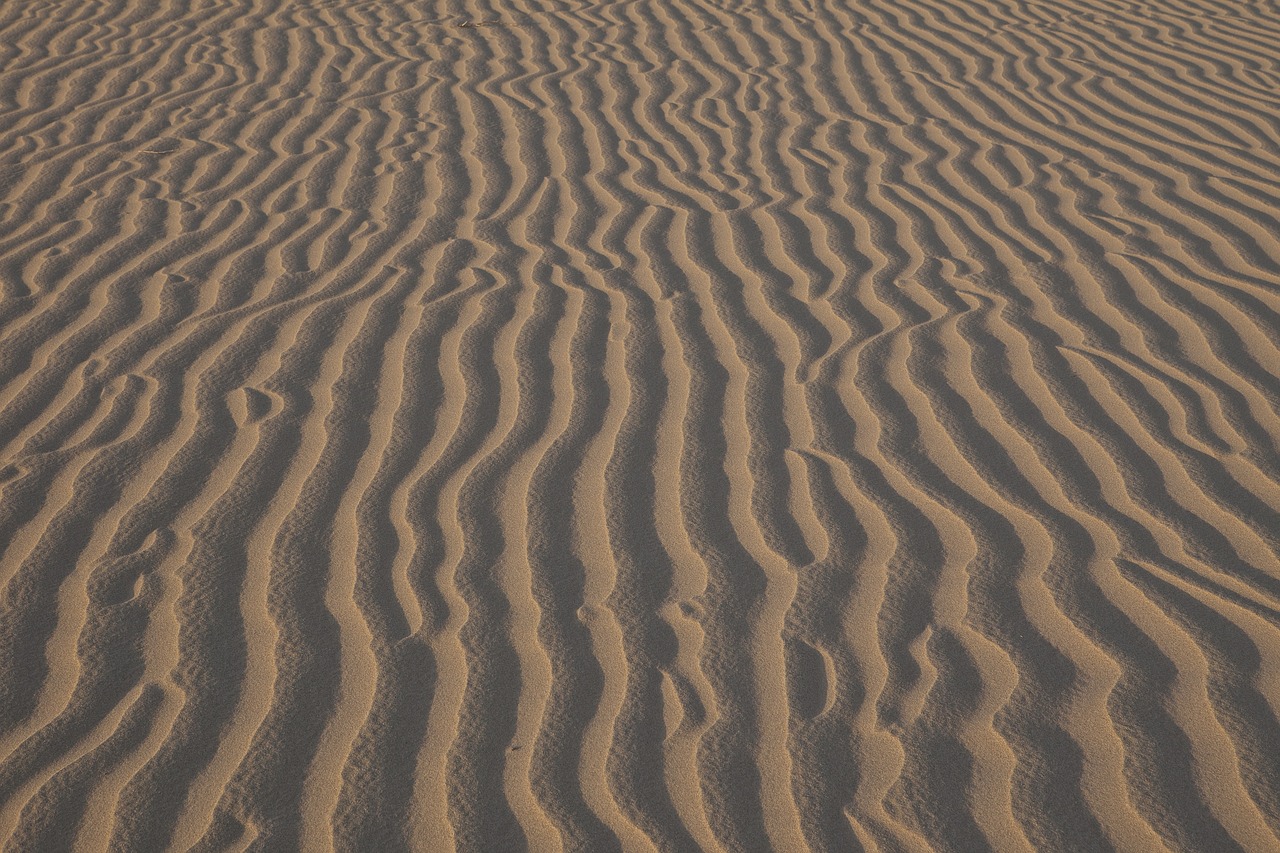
[(640, 425)]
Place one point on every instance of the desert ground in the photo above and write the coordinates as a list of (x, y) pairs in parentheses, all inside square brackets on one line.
[(640, 425)]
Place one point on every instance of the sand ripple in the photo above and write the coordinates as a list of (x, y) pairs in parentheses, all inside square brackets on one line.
[(639, 425)]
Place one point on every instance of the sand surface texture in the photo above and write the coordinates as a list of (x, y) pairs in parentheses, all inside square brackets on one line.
[(670, 425)]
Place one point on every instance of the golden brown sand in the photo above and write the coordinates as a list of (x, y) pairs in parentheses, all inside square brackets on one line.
[(640, 425)]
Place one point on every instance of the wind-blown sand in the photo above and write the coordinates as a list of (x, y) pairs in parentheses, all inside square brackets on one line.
[(645, 425)]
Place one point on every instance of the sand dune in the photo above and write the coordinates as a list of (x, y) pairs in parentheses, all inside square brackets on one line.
[(640, 425)]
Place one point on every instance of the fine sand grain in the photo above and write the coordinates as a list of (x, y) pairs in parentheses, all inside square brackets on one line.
[(654, 425)]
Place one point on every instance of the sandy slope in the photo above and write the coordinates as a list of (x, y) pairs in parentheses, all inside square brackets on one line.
[(648, 424)]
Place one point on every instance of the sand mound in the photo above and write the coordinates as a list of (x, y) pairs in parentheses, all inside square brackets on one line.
[(639, 425)]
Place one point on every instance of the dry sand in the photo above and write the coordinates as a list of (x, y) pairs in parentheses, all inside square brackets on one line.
[(640, 425)]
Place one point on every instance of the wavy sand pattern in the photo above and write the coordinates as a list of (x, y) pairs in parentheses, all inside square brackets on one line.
[(641, 425)]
